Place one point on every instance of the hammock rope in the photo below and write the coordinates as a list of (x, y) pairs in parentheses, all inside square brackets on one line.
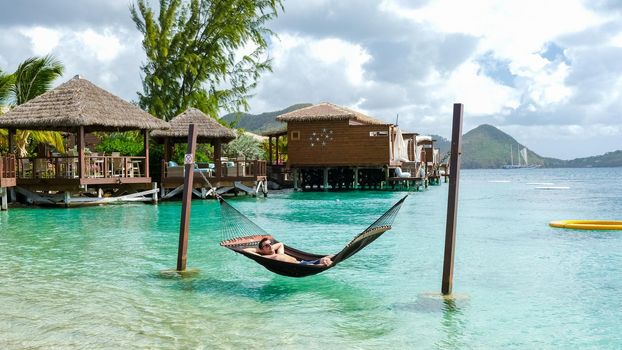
[(239, 232)]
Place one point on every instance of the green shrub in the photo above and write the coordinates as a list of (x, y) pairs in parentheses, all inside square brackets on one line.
[(129, 143)]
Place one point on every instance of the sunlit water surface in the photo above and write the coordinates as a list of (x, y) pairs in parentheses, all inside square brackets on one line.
[(90, 277)]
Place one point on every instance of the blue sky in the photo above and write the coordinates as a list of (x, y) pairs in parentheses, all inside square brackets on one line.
[(547, 72)]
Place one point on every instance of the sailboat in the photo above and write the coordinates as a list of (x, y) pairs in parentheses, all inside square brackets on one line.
[(522, 154)]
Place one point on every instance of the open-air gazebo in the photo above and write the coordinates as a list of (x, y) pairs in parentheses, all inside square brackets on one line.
[(224, 174), (78, 107)]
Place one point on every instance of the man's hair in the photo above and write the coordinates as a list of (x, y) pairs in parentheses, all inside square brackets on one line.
[(262, 240)]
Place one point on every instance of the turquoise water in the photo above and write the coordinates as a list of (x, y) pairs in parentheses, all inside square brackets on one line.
[(90, 277)]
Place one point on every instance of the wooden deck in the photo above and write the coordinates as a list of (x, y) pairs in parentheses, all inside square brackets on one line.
[(62, 173), (234, 174)]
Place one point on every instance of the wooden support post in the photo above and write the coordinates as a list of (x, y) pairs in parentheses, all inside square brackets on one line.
[(5, 203), (295, 176), (356, 177), (167, 149), (146, 145), (325, 179), (67, 198), (187, 198), (277, 150), (81, 164), (270, 150), (11, 140), (217, 160), (452, 200), (154, 196)]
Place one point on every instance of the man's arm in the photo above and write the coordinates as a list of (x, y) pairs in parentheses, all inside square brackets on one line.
[(279, 248)]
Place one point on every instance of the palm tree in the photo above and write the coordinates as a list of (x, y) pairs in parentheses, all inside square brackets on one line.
[(6, 81), (32, 78)]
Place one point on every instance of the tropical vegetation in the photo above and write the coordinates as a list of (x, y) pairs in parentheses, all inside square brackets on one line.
[(32, 78), (196, 53)]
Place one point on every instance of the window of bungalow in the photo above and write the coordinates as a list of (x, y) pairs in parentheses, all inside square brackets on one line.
[(378, 133), (295, 136)]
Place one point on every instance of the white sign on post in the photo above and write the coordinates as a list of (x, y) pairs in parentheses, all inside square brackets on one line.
[(189, 159)]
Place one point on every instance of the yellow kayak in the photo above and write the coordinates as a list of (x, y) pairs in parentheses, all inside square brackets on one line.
[(587, 224)]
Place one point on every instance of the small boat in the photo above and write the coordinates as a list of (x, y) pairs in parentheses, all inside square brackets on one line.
[(588, 224)]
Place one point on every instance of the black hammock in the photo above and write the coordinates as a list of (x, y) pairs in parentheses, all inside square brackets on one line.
[(241, 233)]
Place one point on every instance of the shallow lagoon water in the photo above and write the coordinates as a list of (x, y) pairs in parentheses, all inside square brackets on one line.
[(90, 277)]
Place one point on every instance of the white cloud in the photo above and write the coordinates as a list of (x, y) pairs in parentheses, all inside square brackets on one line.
[(43, 40), (333, 51), (104, 47), (482, 94)]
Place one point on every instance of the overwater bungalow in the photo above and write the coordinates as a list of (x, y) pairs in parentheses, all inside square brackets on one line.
[(431, 158), (333, 147), (79, 107), (239, 174)]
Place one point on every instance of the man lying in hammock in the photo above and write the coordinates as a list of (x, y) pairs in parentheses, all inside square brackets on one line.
[(276, 251)]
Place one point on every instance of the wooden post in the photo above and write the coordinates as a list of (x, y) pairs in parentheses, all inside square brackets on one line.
[(217, 160), (4, 205), (67, 198), (452, 200), (295, 176), (12, 141), (146, 143), (277, 150), (167, 150), (154, 196), (187, 198), (81, 165), (270, 150), (325, 178)]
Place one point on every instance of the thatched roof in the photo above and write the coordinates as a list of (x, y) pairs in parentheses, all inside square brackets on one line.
[(208, 129), (78, 102), (327, 111), (276, 131)]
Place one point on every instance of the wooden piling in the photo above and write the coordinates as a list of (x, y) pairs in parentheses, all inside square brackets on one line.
[(187, 198), (452, 200), (3, 193), (325, 179)]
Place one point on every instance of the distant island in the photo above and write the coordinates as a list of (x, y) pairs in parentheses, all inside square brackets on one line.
[(484, 147)]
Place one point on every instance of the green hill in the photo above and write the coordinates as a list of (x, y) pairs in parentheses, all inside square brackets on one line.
[(258, 123), (489, 147)]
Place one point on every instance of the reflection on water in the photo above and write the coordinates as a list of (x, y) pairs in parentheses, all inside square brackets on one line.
[(453, 325), (90, 277)]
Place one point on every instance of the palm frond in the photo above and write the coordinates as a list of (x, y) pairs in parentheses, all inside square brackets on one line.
[(35, 76), (6, 81)]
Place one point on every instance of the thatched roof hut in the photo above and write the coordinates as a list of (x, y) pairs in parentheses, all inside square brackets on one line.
[(208, 129), (75, 103), (327, 111)]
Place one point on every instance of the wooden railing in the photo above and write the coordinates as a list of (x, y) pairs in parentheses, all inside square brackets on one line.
[(229, 169), (7, 166), (67, 167)]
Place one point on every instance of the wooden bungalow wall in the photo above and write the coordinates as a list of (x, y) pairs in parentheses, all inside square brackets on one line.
[(337, 143)]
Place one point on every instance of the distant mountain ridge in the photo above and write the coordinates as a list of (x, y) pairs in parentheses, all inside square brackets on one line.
[(488, 147), (258, 123), (484, 147)]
